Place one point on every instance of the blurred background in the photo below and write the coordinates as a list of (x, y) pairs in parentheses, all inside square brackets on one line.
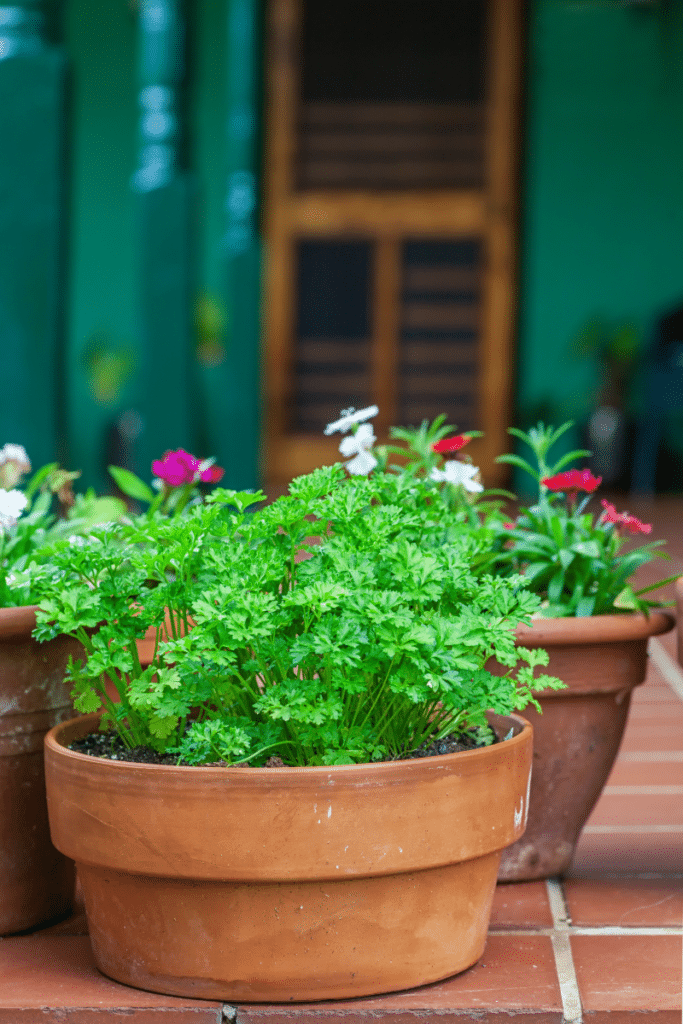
[(223, 221)]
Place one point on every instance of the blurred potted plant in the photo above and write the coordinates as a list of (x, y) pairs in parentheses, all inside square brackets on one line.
[(285, 838), (615, 350), (36, 882), (595, 628), (591, 622)]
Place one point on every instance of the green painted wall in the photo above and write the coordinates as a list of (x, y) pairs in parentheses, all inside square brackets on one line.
[(105, 361), (101, 311), (602, 225)]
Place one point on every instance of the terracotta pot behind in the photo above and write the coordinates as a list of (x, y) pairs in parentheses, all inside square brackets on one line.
[(678, 592), (577, 737), (36, 881), (273, 884)]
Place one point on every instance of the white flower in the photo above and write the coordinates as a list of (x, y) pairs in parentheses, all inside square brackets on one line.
[(12, 504), (348, 418), (14, 462), (14, 453), (456, 472), (359, 445)]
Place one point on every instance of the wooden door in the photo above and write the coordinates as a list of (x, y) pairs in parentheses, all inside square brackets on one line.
[(390, 220)]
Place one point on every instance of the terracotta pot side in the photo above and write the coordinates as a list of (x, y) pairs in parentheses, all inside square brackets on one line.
[(147, 643), (678, 593), (281, 884), (36, 881), (577, 736)]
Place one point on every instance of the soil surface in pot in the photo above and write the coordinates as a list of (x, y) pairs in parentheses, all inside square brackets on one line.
[(109, 746)]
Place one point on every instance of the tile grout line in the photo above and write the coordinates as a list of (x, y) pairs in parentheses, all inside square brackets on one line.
[(596, 929), (564, 961), (665, 664)]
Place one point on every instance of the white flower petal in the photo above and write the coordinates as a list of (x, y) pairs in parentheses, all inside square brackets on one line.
[(14, 453), (456, 472), (348, 418), (12, 503), (363, 464)]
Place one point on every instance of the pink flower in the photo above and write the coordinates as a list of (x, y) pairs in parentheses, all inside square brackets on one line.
[(573, 480), (509, 526), (179, 467), (623, 519), (451, 444)]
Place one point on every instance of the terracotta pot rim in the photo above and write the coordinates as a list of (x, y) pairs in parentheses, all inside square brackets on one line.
[(54, 744), (18, 621), (595, 629)]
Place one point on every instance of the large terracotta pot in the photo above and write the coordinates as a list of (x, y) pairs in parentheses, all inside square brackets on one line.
[(577, 737), (272, 884), (36, 882)]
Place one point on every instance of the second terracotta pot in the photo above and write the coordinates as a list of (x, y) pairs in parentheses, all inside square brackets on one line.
[(279, 884), (576, 738), (36, 881)]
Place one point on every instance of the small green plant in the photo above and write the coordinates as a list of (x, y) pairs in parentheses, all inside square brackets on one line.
[(342, 623), (29, 524), (574, 560)]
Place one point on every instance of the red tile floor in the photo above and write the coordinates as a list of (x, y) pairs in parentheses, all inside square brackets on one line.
[(602, 946)]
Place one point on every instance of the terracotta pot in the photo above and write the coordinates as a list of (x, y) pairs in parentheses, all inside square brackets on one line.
[(36, 882), (272, 884), (576, 739), (146, 645), (678, 592)]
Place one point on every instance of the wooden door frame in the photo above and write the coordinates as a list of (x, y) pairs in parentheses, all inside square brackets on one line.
[(389, 218)]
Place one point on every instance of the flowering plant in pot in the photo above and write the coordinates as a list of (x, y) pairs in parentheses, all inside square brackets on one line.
[(335, 636), (595, 627), (592, 622), (36, 882)]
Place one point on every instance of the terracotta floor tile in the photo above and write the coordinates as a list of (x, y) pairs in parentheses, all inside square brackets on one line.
[(515, 973), (627, 903), (600, 854), (76, 924), (646, 773), (643, 737), (634, 808), (654, 691), (628, 972), (521, 905), (58, 971), (656, 712)]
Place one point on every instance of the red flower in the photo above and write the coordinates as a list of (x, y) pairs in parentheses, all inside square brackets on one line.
[(573, 480), (610, 515), (451, 444), (179, 467), (623, 519), (211, 475), (509, 526)]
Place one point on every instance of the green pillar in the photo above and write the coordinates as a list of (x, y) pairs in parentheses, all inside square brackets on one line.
[(233, 412), (32, 126), (165, 387)]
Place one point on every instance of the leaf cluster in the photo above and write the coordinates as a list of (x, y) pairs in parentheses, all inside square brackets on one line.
[(578, 563), (28, 543), (348, 621)]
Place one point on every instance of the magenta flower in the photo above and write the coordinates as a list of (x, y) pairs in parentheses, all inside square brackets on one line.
[(179, 467)]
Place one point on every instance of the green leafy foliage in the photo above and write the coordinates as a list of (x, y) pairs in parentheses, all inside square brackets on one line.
[(347, 621), (53, 513), (577, 561)]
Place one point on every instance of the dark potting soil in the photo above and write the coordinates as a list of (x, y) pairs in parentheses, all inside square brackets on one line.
[(109, 746)]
